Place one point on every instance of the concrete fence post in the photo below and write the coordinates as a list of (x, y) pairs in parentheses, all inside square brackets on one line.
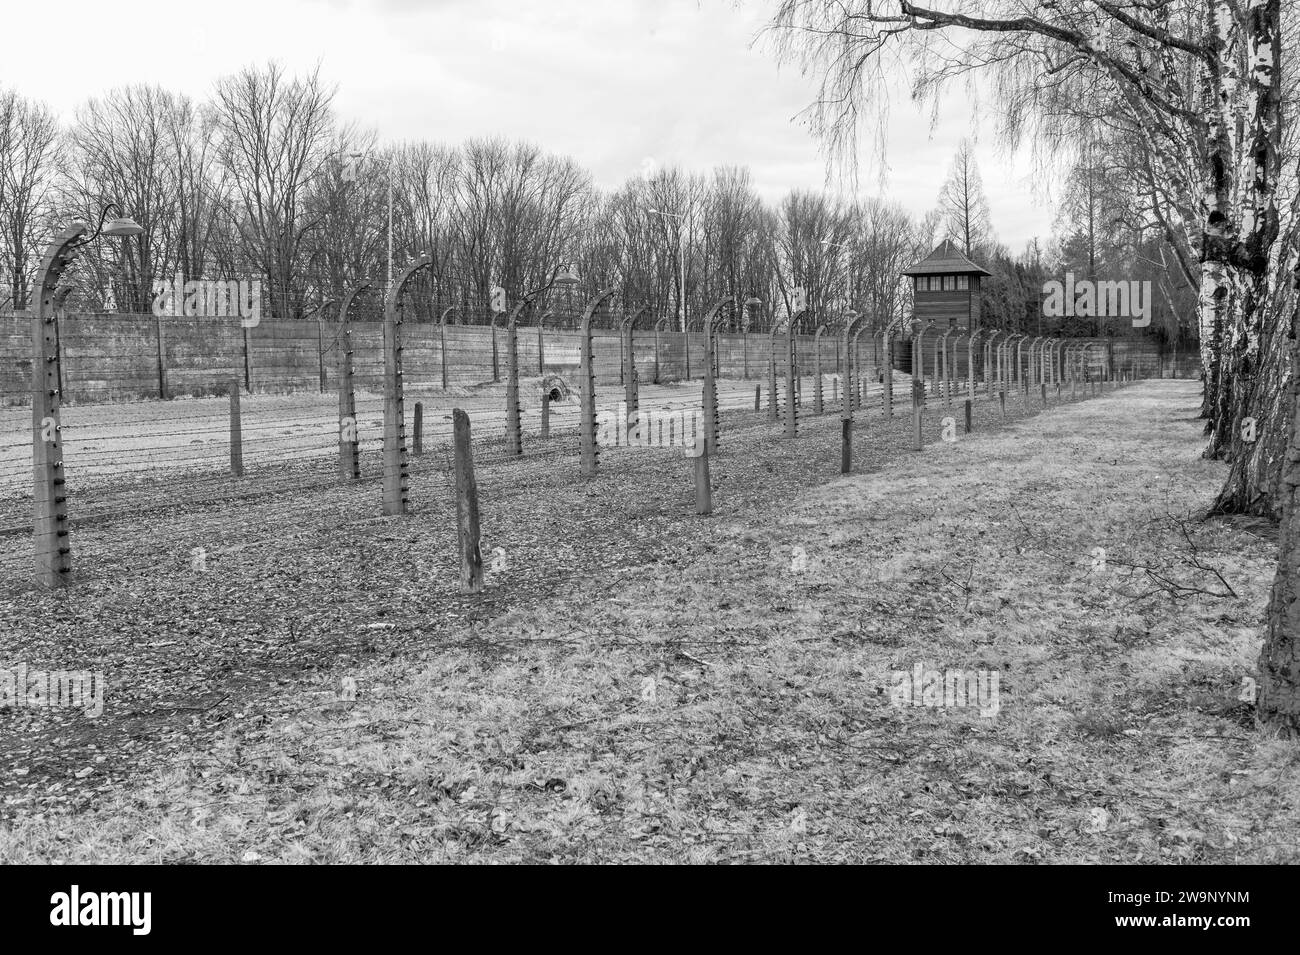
[(588, 451), (320, 353), (442, 342), (395, 462), (817, 369), (236, 432), (771, 371), (514, 428), (349, 443), (52, 546), (162, 357), (852, 323), (60, 315), (631, 386), (541, 344), (703, 483), (709, 396), (791, 373)]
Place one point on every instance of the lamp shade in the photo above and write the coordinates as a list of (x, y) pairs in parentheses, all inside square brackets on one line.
[(123, 226)]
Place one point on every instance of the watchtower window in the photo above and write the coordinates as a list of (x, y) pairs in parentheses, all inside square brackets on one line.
[(963, 282), (949, 283)]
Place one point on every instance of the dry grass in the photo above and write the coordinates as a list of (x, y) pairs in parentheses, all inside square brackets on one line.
[(735, 705)]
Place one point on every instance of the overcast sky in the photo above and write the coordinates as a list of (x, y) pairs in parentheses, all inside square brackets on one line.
[(615, 84)]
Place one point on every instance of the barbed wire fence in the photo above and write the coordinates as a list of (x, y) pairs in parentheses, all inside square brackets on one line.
[(228, 433)]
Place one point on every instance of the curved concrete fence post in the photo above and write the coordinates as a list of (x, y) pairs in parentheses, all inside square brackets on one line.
[(791, 379), (853, 326), (855, 360), (514, 430), (588, 453), (395, 460), (52, 547), (709, 393), (888, 394), (943, 356), (659, 328), (631, 393), (349, 445), (442, 342), (971, 339)]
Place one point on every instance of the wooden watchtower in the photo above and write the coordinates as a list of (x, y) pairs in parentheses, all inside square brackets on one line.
[(946, 291)]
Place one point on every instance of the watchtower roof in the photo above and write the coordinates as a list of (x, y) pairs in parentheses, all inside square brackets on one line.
[(946, 259)]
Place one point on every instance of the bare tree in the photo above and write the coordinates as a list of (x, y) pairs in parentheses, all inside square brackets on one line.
[(964, 206), (29, 136), (274, 138)]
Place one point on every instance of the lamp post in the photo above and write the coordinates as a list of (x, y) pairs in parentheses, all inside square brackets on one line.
[(51, 543)]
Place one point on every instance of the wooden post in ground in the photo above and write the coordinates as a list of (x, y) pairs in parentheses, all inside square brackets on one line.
[(758, 397), (417, 445), (546, 413), (1002, 400), (968, 415), (236, 432), (846, 445), (467, 529)]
